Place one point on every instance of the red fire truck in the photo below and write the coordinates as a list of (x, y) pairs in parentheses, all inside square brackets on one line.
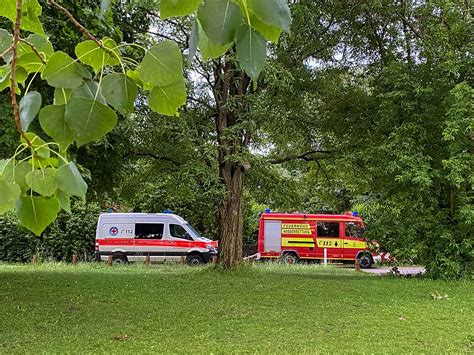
[(314, 236)]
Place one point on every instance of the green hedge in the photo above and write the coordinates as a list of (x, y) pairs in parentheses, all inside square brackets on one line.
[(68, 235)]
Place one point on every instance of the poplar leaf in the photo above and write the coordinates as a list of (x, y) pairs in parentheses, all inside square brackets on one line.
[(170, 8), (251, 52), (30, 12), (36, 212), (220, 20), (61, 71), (272, 12), (89, 90), (162, 65), (30, 105), (89, 119), (42, 181), (9, 192), (70, 181), (120, 91), (53, 122), (167, 99)]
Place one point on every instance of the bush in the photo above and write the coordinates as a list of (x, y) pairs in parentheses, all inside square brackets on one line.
[(70, 234)]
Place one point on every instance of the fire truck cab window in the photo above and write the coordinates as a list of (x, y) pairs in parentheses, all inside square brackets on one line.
[(328, 229), (177, 231), (149, 230), (353, 229)]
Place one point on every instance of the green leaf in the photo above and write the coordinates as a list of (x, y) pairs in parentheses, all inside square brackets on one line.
[(208, 49), (36, 213), (272, 12), (20, 76), (251, 51), (21, 170), (30, 105), (70, 181), (170, 8), (13, 172), (6, 40), (42, 181), (89, 90), (120, 91), (89, 119), (220, 20), (61, 96), (88, 52), (64, 201), (61, 71), (41, 43), (39, 145), (9, 192), (30, 62), (30, 11), (53, 122), (167, 99), (135, 76), (269, 32), (162, 65)]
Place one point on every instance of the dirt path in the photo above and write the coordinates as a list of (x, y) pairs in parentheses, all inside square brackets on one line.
[(404, 270)]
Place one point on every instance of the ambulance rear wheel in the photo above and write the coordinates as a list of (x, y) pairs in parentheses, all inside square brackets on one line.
[(290, 258), (365, 261), (119, 259), (194, 260)]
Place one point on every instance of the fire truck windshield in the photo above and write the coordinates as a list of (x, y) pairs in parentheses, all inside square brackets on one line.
[(354, 229)]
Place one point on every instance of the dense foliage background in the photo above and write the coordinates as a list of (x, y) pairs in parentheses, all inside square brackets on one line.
[(363, 105)]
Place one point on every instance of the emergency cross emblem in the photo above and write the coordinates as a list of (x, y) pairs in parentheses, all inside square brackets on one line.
[(113, 231)]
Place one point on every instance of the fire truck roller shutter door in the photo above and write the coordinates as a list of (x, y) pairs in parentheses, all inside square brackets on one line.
[(272, 236)]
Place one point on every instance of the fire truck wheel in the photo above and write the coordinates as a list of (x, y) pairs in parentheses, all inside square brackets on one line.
[(365, 261), (119, 259), (194, 260), (290, 258)]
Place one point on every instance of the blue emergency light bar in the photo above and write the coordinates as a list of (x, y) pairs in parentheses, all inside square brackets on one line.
[(268, 210), (355, 213), (167, 211)]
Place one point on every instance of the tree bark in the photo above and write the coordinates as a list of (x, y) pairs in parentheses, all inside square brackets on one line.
[(230, 84)]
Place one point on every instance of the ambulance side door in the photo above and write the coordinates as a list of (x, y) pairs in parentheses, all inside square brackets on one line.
[(148, 240)]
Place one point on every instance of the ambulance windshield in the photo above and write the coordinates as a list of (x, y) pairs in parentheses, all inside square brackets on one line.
[(194, 232)]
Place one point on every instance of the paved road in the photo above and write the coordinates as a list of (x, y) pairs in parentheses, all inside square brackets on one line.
[(404, 270)]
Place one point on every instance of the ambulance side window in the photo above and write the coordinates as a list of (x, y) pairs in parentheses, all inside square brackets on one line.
[(149, 230), (177, 231), (328, 229)]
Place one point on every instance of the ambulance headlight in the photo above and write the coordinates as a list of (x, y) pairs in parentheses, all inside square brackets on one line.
[(211, 249)]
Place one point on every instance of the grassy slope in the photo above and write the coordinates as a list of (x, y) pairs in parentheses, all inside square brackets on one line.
[(57, 308)]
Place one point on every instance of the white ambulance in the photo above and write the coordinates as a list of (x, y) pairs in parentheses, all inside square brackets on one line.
[(161, 236)]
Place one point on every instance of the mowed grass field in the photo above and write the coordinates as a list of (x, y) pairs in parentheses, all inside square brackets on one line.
[(265, 309)]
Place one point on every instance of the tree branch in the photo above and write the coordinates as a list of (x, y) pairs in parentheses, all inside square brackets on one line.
[(4, 53), (34, 49), (153, 156), (305, 156), (76, 23), (14, 49)]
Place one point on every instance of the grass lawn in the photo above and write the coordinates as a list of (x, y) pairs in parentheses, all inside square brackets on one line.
[(267, 308)]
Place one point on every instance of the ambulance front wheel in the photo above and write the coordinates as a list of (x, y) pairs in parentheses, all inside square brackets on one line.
[(365, 261), (194, 260), (290, 258)]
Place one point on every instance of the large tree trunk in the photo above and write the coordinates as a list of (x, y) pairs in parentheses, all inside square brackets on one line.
[(230, 219), (230, 84)]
